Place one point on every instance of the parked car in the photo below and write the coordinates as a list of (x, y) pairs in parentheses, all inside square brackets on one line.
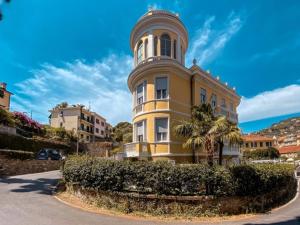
[(48, 154)]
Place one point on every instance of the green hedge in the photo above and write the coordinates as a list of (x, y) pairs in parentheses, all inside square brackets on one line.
[(269, 153), (15, 154), (14, 142), (164, 178)]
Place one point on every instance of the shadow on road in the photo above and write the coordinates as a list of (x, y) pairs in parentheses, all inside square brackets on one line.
[(40, 186), (295, 221)]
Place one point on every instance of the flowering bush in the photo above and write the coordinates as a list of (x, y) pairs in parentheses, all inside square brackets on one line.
[(26, 123)]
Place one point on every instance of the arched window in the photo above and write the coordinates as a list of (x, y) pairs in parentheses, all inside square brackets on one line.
[(165, 45), (155, 46), (146, 48), (140, 52), (174, 49)]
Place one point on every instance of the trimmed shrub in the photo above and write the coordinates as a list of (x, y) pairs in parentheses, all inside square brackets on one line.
[(163, 178), (15, 154)]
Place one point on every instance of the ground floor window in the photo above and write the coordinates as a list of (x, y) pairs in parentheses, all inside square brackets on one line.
[(161, 129)]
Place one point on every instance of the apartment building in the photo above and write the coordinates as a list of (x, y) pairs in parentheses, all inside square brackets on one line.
[(4, 96), (254, 142), (88, 126), (164, 89), (99, 127)]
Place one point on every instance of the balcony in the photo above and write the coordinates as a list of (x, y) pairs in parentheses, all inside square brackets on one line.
[(151, 105), (87, 119), (86, 130), (230, 115), (136, 150)]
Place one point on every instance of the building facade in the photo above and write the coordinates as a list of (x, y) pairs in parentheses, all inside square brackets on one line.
[(100, 127), (164, 89), (292, 151), (87, 126), (4, 96), (255, 142)]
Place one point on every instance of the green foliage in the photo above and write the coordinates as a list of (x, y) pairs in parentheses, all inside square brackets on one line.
[(166, 179), (58, 133), (61, 105), (6, 118), (256, 179), (122, 132), (26, 144), (204, 130), (15, 154), (269, 153)]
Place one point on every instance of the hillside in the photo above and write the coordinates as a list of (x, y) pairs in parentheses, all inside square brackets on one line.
[(282, 128)]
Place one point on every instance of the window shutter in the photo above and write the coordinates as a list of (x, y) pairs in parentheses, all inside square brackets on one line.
[(140, 91), (161, 83), (140, 128), (161, 125)]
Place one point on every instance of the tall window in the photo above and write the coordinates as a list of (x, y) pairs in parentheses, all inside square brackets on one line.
[(140, 94), (213, 101), (174, 49), (140, 52), (140, 131), (161, 84), (203, 96), (165, 45), (146, 48), (161, 129), (155, 46)]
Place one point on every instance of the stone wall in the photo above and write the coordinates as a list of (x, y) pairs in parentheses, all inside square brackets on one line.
[(8, 130), (181, 205), (11, 167)]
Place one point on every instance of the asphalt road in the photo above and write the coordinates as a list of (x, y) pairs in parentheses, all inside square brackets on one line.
[(27, 200)]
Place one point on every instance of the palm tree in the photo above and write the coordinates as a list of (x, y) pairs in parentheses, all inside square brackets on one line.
[(205, 130), (196, 131), (225, 131)]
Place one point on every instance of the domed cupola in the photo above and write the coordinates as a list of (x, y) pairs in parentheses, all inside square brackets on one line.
[(159, 35)]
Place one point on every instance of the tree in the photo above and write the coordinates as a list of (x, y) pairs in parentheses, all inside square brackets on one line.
[(62, 105), (122, 132), (196, 131), (205, 131), (225, 131)]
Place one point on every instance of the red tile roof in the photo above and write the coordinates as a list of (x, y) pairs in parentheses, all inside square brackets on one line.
[(255, 137), (289, 149)]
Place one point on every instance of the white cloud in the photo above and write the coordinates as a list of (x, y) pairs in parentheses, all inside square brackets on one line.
[(281, 101), (208, 41), (102, 83)]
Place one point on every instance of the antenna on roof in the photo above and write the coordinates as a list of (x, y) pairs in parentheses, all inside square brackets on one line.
[(90, 106)]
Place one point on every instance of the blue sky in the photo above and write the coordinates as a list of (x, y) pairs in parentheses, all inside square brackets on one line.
[(78, 51)]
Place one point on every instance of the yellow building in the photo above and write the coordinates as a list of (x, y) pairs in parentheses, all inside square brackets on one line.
[(76, 119), (4, 97), (164, 90)]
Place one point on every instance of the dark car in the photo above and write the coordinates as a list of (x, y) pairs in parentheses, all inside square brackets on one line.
[(48, 154)]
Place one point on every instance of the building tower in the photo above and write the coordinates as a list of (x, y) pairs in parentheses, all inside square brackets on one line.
[(164, 90)]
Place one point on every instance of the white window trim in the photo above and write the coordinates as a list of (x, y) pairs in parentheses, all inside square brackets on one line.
[(144, 83), (135, 139), (168, 84), (168, 133)]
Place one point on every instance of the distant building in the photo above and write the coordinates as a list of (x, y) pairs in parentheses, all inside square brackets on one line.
[(88, 126), (99, 127), (289, 140), (4, 96), (292, 151), (254, 142)]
